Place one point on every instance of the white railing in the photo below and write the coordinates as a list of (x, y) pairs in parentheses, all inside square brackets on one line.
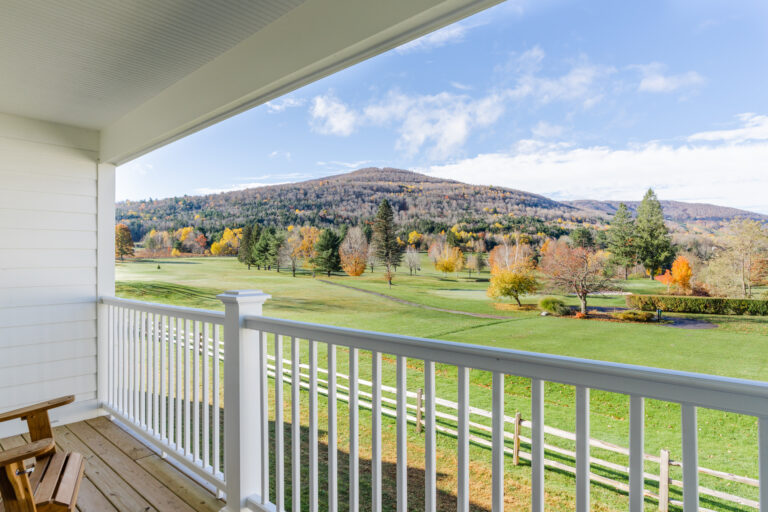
[(253, 482), (164, 380)]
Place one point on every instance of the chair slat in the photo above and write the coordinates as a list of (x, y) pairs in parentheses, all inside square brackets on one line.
[(69, 484)]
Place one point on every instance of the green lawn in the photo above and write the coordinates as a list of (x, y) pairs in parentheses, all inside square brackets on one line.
[(738, 348)]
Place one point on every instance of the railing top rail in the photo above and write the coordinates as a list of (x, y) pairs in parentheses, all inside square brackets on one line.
[(710, 391), (202, 315)]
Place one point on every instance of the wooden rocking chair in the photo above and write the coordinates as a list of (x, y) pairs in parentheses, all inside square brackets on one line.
[(54, 481)]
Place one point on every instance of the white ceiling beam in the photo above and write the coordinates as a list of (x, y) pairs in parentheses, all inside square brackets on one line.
[(313, 40)]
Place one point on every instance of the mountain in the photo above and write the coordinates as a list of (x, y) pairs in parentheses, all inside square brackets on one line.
[(421, 202), (676, 211)]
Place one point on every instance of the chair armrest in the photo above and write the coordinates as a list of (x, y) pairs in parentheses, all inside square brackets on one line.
[(33, 409), (27, 451)]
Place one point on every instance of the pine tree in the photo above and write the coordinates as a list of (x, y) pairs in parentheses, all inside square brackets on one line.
[(276, 243), (244, 254), (621, 240), (260, 249), (654, 244), (327, 257), (388, 250), (583, 237)]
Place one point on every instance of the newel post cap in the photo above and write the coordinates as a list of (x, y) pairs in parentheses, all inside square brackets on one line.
[(244, 297)]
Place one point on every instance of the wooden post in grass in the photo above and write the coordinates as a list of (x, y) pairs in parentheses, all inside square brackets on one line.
[(516, 445), (419, 406), (664, 480)]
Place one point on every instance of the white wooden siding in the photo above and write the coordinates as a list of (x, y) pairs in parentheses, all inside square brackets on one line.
[(48, 266)]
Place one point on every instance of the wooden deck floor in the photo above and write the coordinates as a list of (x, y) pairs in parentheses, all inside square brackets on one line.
[(122, 474)]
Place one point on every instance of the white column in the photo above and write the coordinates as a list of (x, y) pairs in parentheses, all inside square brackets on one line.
[(242, 414), (105, 269)]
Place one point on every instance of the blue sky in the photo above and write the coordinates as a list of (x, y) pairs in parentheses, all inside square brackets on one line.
[(568, 99)]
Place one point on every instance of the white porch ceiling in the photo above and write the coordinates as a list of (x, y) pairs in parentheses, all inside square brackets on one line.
[(146, 72), (89, 62)]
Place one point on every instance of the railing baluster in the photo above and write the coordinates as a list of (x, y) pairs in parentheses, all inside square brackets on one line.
[(537, 445), (152, 376), (354, 428), (126, 349), (636, 450), (216, 362), (430, 448), (376, 431), (179, 387), (264, 399), (131, 364), (333, 465), (402, 435), (136, 367), (313, 483), (582, 449), (142, 369), (112, 355), (279, 427), (295, 426), (206, 349), (163, 377), (762, 454), (690, 459), (196, 402), (188, 392), (497, 440), (462, 491)]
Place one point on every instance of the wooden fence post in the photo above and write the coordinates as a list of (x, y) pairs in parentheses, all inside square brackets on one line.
[(516, 445), (419, 407), (664, 481)]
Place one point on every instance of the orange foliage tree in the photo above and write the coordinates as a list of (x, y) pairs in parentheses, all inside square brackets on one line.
[(123, 241), (682, 273)]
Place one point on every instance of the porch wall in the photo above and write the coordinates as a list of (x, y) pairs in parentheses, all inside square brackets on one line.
[(48, 265)]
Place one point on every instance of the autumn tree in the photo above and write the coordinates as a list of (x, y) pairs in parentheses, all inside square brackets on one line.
[(621, 240), (153, 243), (575, 270), (327, 257), (652, 239), (290, 252), (388, 249), (413, 259), (372, 258), (681, 273), (475, 263), (228, 244), (123, 241), (747, 240), (513, 271), (450, 259), (354, 252)]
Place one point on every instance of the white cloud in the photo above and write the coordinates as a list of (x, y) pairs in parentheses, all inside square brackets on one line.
[(280, 154), (454, 33), (460, 86), (583, 83), (754, 127), (232, 188), (331, 116), (545, 130), (442, 122), (730, 173), (281, 104), (654, 79), (335, 164)]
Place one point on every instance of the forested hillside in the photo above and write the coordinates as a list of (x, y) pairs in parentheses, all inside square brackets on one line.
[(420, 202), (417, 200)]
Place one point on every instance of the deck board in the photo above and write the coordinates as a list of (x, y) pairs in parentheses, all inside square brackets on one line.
[(122, 474)]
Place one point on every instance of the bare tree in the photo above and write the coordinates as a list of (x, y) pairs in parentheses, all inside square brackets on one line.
[(372, 258), (413, 259), (575, 270), (475, 263), (354, 252), (291, 251)]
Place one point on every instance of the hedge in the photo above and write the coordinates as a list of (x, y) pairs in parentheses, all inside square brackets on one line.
[(705, 305)]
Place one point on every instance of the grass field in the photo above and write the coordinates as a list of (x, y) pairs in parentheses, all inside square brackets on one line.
[(727, 442)]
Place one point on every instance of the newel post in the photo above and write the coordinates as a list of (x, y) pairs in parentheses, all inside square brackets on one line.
[(242, 414)]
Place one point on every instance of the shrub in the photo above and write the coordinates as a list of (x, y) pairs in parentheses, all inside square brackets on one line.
[(634, 315), (555, 306), (581, 315), (703, 305)]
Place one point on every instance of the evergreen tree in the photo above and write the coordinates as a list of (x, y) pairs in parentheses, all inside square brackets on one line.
[(276, 243), (368, 232), (327, 257), (621, 240), (244, 253), (451, 239), (653, 242), (260, 249), (583, 237), (388, 250)]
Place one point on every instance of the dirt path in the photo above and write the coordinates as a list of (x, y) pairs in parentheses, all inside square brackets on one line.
[(417, 305)]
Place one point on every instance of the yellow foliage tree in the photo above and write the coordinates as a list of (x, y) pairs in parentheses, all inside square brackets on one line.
[(414, 237), (123, 241), (450, 259), (682, 273)]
